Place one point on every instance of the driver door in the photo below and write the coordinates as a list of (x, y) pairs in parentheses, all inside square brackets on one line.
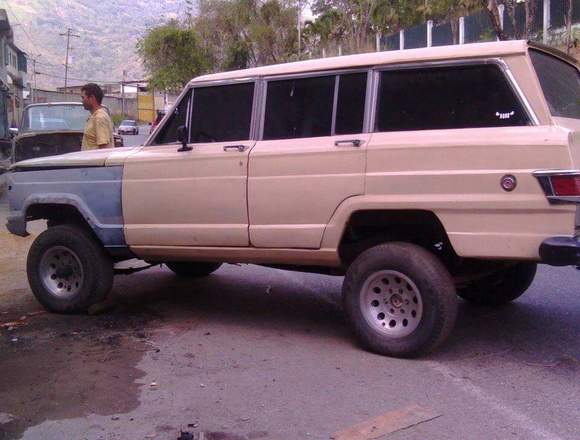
[(196, 197)]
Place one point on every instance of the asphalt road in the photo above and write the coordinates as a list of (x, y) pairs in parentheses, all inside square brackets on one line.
[(256, 353), (139, 139)]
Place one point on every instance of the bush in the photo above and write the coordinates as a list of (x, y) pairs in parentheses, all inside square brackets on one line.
[(116, 118)]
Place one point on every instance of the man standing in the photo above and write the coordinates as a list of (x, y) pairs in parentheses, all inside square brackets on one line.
[(99, 127)]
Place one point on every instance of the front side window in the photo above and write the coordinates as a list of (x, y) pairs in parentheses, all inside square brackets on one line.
[(222, 113), (299, 108), (168, 133), (560, 82), (446, 98)]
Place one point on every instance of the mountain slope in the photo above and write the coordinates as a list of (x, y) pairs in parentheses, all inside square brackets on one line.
[(108, 32)]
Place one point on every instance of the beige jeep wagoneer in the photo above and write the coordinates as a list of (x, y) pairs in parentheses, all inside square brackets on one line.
[(420, 175)]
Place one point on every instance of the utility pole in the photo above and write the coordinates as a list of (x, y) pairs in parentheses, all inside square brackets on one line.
[(68, 34), (123, 93), (34, 72)]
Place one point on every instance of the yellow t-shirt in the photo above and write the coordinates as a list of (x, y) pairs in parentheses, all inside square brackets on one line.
[(98, 131)]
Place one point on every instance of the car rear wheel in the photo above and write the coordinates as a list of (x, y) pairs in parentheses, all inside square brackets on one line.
[(400, 300), (500, 287), (68, 269), (192, 269)]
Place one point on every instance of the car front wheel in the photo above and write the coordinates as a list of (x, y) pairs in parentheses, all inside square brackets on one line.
[(68, 269), (400, 300)]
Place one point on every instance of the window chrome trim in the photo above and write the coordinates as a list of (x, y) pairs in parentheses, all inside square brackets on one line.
[(334, 105), (256, 108), (519, 92), (229, 82), (504, 68), (316, 73), (149, 141), (370, 102), (319, 73)]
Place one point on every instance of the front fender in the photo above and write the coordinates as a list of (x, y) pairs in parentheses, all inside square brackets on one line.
[(94, 192)]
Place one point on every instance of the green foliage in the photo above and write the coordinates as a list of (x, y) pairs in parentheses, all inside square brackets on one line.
[(173, 55), (117, 118), (236, 34)]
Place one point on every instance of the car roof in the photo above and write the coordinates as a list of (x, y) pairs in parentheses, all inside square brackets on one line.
[(439, 53), (50, 104)]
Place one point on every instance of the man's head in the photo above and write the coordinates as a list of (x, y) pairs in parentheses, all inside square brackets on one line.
[(92, 96)]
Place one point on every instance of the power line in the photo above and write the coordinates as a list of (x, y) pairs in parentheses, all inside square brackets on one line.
[(79, 79)]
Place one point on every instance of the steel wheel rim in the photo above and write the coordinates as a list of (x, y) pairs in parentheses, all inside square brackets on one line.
[(391, 303), (61, 272)]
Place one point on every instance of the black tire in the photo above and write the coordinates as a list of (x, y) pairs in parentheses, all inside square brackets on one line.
[(500, 287), (81, 265), (428, 293), (192, 269)]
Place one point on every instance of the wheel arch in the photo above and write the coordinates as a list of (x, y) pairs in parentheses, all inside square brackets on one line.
[(70, 209), (368, 227)]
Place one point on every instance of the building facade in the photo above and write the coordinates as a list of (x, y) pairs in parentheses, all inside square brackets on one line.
[(13, 69)]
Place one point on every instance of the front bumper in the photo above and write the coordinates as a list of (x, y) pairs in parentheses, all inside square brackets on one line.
[(561, 251)]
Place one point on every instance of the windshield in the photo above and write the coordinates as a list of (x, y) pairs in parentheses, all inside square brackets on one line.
[(560, 82), (54, 118), (128, 123)]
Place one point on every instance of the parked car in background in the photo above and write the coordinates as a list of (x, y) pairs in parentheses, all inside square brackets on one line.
[(128, 126), (50, 129)]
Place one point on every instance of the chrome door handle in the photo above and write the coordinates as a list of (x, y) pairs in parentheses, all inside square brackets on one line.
[(240, 148), (353, 142)]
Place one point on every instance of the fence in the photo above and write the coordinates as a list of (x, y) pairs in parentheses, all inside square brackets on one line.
[(549, 26)]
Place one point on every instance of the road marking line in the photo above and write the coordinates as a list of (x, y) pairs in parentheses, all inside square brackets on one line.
[(517, 417), (388, 423)]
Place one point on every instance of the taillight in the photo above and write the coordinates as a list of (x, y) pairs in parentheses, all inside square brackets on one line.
[(566, 185), (560, 186)]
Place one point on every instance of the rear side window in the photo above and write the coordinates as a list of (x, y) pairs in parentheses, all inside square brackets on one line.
[(299, 108), (560, 82), (222, 113), (445, 98), (168, 133), (350, 108)]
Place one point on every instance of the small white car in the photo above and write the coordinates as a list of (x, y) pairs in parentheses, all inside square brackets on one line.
[(128, 126)]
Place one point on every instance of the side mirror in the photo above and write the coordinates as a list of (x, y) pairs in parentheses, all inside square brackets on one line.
[(13, 131), (182, 137)]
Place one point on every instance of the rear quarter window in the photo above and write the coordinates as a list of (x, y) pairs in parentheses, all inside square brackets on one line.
[(560, 83), (447, 97)]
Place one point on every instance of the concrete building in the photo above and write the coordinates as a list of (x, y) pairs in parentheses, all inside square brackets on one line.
[(13, 69)]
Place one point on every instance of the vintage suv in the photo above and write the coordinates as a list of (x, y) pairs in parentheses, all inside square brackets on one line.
[(420, 175)]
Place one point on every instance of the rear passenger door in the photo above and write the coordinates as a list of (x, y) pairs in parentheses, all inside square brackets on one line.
[(310, 157)]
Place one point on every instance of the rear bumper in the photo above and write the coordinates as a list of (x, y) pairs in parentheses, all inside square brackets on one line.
[(561, 251)]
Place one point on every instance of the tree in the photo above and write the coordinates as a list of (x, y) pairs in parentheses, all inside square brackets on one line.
[(173, 55), (491, 6), (246, 33)]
